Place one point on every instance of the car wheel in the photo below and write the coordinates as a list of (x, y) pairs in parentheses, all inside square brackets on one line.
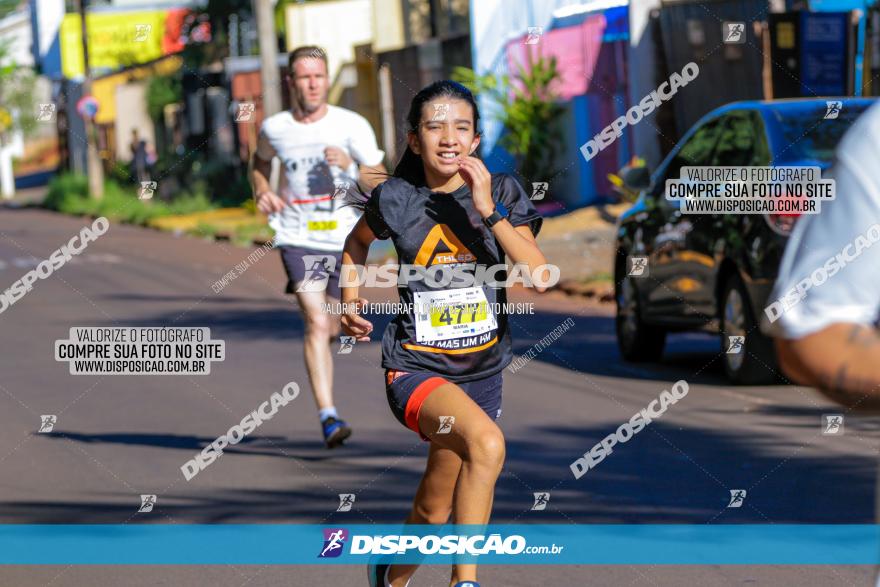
[(755, 361), (636, 340)]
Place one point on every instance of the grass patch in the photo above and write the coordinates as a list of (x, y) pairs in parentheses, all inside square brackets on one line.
[(193, 213), (69, 193), (597, 278)]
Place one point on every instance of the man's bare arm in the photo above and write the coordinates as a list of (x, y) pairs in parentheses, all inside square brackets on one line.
[(267, 201), (842, 361), (260, 174), (371, 176)]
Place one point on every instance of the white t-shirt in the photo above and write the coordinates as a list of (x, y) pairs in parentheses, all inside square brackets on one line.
[(836, 251), (313, 218)]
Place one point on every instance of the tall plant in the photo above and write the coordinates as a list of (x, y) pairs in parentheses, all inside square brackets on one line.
[(529, 109)]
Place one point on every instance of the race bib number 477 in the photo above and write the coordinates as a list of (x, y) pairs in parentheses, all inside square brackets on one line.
[(452, 313)]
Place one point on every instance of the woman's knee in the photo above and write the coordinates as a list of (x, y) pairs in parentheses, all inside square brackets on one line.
[(486, 446)]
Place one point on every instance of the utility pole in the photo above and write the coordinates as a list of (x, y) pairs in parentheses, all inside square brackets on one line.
[(268, 57), (93, 161)]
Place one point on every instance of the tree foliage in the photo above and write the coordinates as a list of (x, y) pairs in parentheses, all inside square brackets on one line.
[(17, 94), (528, 108), (161, 91)]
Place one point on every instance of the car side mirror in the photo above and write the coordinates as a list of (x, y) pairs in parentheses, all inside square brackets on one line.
[(636, 178)]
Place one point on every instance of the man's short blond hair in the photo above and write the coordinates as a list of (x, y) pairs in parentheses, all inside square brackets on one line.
[(307, 51)]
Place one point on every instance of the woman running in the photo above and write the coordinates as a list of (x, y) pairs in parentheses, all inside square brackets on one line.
[(444, 353)]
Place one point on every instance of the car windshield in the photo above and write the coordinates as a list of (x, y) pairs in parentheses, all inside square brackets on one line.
[(806, 134)]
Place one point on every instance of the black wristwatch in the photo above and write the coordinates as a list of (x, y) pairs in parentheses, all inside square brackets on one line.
[(497, 215)]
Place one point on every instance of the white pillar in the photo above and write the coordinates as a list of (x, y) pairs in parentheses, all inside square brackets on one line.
[(7, 181), (8, 150)]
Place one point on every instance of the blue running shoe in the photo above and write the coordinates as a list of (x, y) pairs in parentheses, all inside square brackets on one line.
[(376, 574), (467, 584), (335, 431)]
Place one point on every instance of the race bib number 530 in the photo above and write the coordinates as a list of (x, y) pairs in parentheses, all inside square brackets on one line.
[(322, 224), (452, 313)]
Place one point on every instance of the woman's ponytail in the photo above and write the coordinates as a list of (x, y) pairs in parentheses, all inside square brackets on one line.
[(410, 168)]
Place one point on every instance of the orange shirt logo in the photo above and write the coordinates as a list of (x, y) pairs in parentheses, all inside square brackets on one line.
[(452, 250)]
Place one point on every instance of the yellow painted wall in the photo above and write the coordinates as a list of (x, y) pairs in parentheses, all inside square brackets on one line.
[(112, 41)]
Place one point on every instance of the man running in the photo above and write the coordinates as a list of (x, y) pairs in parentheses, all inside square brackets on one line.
[(324, 151)]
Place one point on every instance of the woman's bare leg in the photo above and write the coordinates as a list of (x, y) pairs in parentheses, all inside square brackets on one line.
[(479, 443), (433, 501)]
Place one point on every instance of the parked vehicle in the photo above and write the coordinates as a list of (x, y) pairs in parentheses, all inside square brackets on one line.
[(714, 272)]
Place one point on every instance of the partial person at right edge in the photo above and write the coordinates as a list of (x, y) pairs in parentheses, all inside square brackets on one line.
[(829, 339)]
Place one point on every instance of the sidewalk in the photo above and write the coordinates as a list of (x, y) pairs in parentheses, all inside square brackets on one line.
[(26, 197)]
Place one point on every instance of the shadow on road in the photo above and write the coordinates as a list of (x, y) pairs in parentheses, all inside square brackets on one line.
[(671, 474), (279, 323), (662, 475), (665, 474), (590, 346)]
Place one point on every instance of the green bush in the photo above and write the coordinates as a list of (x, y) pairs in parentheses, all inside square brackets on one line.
[(68, 193), (226, 186), (161, 91), (246, 233), (528, 106), (189, 202), (205, 229)]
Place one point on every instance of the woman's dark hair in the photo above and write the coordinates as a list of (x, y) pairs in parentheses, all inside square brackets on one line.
[(410, 165)]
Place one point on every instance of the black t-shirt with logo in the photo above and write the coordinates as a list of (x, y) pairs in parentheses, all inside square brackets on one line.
[(453, 329)]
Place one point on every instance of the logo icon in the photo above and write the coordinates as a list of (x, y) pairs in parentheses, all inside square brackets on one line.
[(832, 424), (430, 252), (340, 188), (541, 500), (245, 112), (832, 108), (534, 35), (440, 112), (141, 31), (147, 503), (346, 344), (147, 189), (346, 500), (735, 344), (734, 32), (539, 190), (47, 423), (638, 266), (46, 113), (318, 270), (334, 540), (737, 496), (446, 423)]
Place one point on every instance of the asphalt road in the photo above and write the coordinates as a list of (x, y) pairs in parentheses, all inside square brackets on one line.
[(117, 437)]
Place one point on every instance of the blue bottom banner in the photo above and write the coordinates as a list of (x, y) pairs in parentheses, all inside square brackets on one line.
[(517, 544)]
